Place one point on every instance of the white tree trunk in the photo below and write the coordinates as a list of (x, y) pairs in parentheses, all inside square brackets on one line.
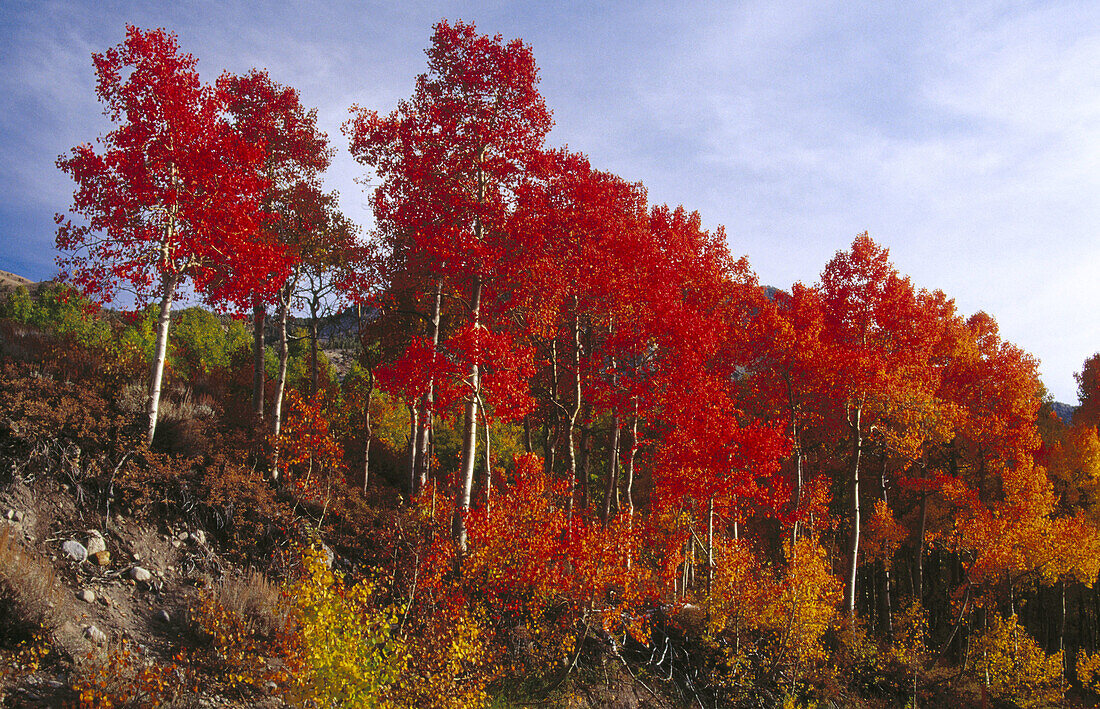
[(169, 281)]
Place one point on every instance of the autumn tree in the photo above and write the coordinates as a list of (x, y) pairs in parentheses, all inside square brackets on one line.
[(172, 196), (271, 117), (1088, 391), (449, 160), (881, 356)]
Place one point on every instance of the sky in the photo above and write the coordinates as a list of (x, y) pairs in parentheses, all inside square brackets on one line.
[(964, 137)]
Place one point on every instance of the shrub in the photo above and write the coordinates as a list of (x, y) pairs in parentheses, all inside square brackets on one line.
[(350, 653), (60, 308), (1088, 670), (29, 590), (245, 640), (29, 595), (1014, 667), (121, 678)]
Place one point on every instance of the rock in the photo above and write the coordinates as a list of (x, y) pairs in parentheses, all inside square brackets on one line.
[(9, 514), (102, 558), (87, 595), (17, 516), (198, 537), (95, 543), (182, 536), (136, 556), (176, 543), (139, 573), (96, 635), (75, 550), (164, 617), (329, 555)]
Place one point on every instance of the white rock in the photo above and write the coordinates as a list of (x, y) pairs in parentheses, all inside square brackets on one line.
[(75, 550), (182, 536), (87, 595), (17, 516), (140, 574), (96, 635), (96, 543), (137, 557)]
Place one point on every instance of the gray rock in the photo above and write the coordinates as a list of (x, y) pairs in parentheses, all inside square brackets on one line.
[(139, 573), (182, 536), (75, 550), (164, 617), (330, 556), (96, 635), (17, 516), (95, 543), (87, 595)]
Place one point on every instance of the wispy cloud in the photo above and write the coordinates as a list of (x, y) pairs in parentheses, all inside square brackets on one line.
[(966, 139)]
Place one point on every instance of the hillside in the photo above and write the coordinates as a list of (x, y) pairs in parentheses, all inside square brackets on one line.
[(11, 280), (188, 574)]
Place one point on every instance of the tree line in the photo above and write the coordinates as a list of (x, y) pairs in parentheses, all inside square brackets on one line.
[(897, 459)]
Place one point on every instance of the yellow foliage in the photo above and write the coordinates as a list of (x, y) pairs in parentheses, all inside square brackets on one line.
[(350, 654), (1015, 668), (449, 665), (1088, 670), (803, 609), (783, 614)]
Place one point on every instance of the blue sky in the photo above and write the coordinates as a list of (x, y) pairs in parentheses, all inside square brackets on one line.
[(966, 139)]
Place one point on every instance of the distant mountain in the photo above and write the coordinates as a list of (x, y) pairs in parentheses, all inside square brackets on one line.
[(1064, 411)]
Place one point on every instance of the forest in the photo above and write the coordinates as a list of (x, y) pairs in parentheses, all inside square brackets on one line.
[(529, 440)]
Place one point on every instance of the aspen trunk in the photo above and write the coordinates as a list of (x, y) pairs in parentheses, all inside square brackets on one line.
[(156, 374), (421, 454), (259, 321), (280, 383), (918, 589), (796, 445), (584, 458), (612, 484), (710, 549), (885, 609), (630, 464), (411, 455), (369, 434), (488, 466), (313, 346), (469, 437), (550, 426), (575, 411), (853, 489)]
